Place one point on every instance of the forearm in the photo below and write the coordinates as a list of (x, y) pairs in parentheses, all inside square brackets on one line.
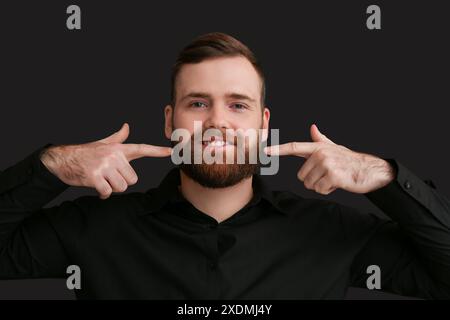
[(27, 186), (423, 214)]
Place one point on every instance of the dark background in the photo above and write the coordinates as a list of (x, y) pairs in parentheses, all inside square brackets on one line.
[(384, 92)]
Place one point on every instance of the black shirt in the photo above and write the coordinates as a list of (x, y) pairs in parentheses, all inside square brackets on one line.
[(156, 245)]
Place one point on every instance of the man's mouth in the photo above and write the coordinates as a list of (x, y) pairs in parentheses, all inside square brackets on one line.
[(216, 143)]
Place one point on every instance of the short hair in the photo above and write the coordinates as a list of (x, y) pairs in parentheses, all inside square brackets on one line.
[(215, 45)]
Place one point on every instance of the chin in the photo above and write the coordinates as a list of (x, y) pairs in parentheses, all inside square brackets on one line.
[(219, 175)]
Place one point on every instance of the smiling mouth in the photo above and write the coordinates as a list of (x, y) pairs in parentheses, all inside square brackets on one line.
[(216, 143)]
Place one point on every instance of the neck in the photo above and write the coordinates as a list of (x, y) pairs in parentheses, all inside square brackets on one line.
[(220, 203)]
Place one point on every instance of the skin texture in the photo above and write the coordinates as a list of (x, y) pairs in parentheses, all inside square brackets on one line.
[(330, 166), (223, 93), (103, 164)]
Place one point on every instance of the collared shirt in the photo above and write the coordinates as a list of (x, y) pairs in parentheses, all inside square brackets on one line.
[(157, 245)]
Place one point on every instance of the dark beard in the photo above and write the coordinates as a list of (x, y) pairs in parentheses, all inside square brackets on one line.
[(220, 175)]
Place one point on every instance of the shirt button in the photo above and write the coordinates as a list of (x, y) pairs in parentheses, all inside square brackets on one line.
[(407, 185)]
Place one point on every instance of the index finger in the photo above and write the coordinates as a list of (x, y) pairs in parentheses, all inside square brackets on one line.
[(134, 151), (299, 149)]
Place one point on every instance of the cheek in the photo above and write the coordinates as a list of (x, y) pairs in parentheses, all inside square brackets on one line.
[(186, 120), (182, 120), (249, 122), (185, 123)]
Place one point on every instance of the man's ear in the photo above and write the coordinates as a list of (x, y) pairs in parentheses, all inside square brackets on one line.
[(266, 118), (265, 123), (168, 115)]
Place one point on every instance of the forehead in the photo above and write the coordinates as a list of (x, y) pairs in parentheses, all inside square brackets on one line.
[(219, 76)]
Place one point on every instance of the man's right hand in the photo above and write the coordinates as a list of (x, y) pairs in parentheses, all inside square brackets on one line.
[(103, 164)]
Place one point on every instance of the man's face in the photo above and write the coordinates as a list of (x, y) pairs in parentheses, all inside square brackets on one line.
[(224, 94)]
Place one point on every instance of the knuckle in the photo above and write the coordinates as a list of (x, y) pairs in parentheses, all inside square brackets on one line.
[(320, 189), (114, 155), (330, 190), (122, 187), (112, 151), (327, 163), (104, 192), (334, 177), (307, 184), (95, 173), (328, 173), (105, 162), (293, 146), (321, 155), (134, 180), (140, 148)]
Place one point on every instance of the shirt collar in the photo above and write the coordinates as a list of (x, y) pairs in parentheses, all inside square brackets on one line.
[(168, 190)]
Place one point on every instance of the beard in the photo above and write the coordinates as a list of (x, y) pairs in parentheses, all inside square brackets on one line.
[(221, 175)]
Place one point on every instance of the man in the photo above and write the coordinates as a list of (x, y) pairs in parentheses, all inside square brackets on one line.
[(215, 231)]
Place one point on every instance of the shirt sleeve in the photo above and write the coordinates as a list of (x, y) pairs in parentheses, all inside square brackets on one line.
[(49, 240), (28, 185), (413, 249), (33, 248), (24, 189)]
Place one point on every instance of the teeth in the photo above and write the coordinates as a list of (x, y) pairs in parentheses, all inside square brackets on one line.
[(216, 143)]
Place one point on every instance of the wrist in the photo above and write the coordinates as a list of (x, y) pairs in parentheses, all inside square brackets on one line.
[(381, 172), (52, 159)]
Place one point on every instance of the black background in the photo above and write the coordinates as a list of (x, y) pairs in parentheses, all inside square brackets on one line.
[(384, 92)]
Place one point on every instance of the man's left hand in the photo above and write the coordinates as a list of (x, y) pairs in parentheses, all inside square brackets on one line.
[(330, 166)]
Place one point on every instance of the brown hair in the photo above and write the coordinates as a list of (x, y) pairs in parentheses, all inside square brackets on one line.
[(215, 45)]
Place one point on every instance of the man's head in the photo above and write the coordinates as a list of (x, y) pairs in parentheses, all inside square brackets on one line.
[(218, 81)]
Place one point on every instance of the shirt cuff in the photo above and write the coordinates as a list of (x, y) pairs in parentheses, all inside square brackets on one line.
[(31, 170), (407, 196)]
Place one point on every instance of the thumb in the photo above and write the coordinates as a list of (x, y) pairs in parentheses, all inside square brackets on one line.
[(119, 136), (317, 136)]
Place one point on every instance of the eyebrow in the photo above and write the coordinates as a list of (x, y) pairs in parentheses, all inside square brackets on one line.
[(232, 95), (239, 96), (196, 95)]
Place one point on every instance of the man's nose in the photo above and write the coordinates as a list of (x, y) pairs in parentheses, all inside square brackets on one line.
[(217, 118)]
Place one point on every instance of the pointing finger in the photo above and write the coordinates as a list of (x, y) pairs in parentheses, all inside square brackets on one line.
[(136, 151), (299, 149)]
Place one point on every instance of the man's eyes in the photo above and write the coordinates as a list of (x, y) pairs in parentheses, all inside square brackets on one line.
[(198, 104), (238, 106), (235, 106)]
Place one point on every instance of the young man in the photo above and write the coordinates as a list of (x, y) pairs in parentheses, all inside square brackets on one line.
[(215, 231)]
